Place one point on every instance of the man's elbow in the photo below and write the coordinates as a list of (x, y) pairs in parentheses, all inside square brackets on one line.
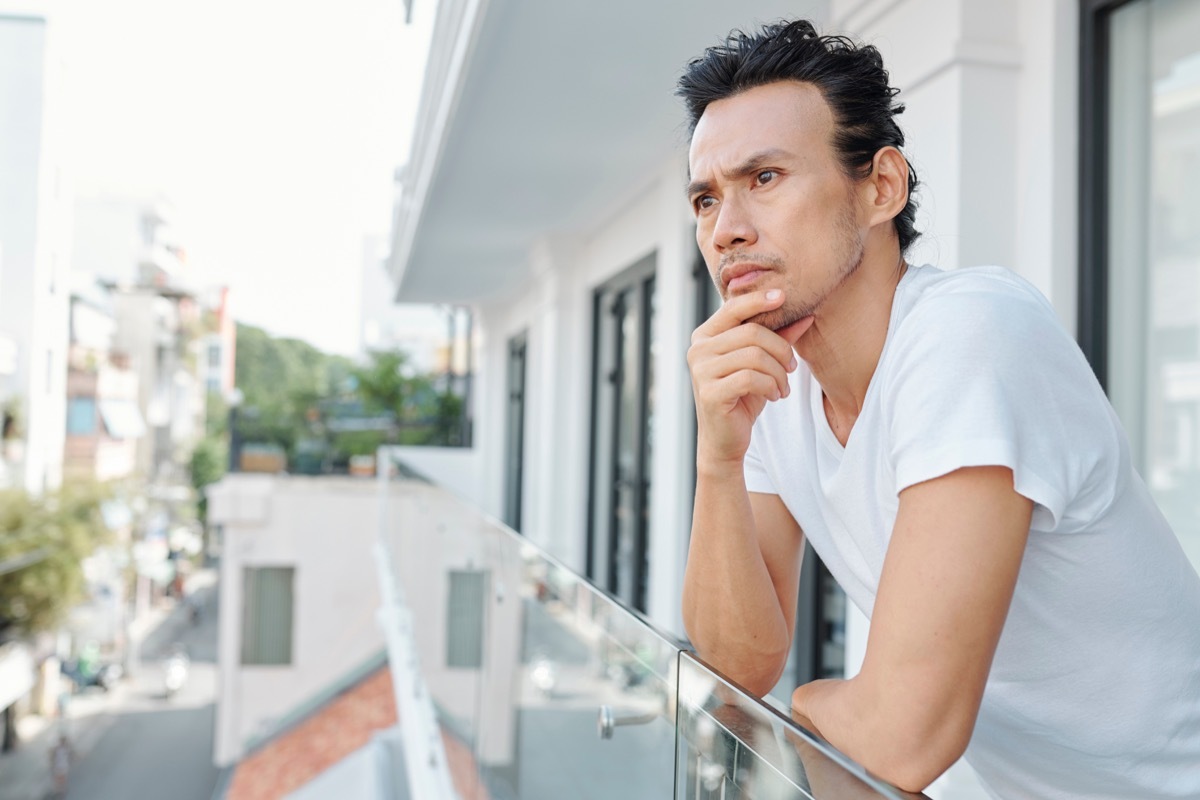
[(919, 760), (755, 670), (753, 662), (757, 673)]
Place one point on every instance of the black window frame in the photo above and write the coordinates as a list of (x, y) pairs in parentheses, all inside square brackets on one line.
[(1094, 63), (638, 279), (516, 413)]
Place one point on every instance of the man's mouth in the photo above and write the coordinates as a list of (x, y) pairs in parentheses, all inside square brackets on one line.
[(741, 276)]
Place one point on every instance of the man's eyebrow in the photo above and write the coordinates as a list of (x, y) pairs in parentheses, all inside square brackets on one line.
[(748, 167)]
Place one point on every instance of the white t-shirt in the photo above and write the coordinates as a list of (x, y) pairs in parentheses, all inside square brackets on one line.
[(1094, 691)]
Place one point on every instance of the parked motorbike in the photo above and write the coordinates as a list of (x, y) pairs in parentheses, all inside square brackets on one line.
[(175, 671), (85, 674)]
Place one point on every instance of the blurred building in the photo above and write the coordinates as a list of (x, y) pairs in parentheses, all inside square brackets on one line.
[(219, 344), (176, 330), (35, 243), (104, 424), (160, 327), (417, 330), (298, 597)]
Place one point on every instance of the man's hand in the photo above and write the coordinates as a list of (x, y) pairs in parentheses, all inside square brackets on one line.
[(736, 368)]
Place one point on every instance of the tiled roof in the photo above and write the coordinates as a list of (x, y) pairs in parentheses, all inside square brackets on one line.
[(323, 739)]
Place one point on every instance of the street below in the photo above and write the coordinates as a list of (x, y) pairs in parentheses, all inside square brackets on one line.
[(135, 742)]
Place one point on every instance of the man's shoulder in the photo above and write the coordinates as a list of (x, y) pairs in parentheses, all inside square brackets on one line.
[(930, 283), (974, 298)]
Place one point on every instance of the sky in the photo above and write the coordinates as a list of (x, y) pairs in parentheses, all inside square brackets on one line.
[(272, 128)]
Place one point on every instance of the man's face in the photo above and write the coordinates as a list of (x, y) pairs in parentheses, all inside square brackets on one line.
[(773, 208)]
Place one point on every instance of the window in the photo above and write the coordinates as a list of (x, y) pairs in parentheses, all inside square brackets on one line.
[(81, 416), (515, 431), (214, 355), (1140, 245), (267, 611), (622, 433), (464, 619)]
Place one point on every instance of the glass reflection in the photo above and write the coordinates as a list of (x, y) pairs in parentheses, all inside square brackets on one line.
[(1154, 247), (733, 747)]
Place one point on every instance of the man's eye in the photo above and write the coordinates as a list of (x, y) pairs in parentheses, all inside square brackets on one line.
[(707, 201), (766, 176)]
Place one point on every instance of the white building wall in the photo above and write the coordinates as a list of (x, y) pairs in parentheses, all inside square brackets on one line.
[(34, 242), (555, 308), (325, 528), (137, 335)]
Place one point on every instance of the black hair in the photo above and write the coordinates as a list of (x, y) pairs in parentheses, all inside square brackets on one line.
[(850, 77)]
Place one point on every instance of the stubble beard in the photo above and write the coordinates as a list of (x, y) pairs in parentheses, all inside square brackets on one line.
[(792, 311)]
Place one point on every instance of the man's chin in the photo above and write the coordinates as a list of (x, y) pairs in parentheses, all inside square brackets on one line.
[(778, 319)]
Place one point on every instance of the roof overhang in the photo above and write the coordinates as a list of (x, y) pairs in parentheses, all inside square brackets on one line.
[(535, 117)]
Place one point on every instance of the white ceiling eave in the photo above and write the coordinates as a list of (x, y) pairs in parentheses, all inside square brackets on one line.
[(454, 33), (536, 117)]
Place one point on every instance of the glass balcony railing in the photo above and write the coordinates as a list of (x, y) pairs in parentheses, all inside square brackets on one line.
[(518, 679)]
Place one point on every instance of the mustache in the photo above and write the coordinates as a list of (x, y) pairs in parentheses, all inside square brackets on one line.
[(737, 257)]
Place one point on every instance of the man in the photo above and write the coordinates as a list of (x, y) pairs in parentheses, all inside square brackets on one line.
[(60, 764), (941, 441)]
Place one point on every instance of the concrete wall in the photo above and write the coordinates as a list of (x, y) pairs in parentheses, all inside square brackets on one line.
[(34, 243), (325, 528)]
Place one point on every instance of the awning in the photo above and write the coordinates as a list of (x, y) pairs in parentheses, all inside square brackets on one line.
[(122, 419)]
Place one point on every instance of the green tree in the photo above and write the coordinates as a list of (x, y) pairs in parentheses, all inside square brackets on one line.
[(47, 537), (282, 381), (209, 460), (383, 384)]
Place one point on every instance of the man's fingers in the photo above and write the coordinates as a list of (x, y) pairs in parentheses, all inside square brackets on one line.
[(743, 383), (747, 358), (741, 337), (736, 310)]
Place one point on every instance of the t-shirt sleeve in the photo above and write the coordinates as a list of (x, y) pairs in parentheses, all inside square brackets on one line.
[(990, 378), (757, 477)]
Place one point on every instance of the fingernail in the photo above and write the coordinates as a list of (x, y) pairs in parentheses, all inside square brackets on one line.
[(774, 294), (795, 363), (787, 390)]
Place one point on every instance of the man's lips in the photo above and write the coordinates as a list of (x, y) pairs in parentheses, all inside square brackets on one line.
[(742, 276)]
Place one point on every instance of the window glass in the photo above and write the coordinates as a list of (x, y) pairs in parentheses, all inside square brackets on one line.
[(267, 611), (464, 619), (81, 416), (1154, 249)]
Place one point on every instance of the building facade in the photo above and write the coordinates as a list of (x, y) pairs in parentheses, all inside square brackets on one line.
[(103, 420), (35, 241), (298, 599), (1056, 138)]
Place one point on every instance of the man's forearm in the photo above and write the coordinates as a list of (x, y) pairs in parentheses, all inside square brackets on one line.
[(730, 606)]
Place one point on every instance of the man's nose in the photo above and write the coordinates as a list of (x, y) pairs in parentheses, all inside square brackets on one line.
[(733, 228)]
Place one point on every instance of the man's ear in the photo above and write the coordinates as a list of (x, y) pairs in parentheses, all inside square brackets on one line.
[(886, 186)]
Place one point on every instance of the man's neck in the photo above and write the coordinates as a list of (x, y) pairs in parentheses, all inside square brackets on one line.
[(844, 344)]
